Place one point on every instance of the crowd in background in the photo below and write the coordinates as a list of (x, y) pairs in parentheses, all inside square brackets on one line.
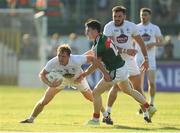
[(99, 9)]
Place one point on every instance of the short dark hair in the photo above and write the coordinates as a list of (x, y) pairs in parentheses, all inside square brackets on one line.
[(94, 24), (146, 10), (119, 9), (64, 48)]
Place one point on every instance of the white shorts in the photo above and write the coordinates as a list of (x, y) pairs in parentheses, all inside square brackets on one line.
[(131, 64), (83, 86), (152, 61), (132, 67), (120, 74)]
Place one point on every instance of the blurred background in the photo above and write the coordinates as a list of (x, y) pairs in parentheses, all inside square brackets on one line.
[(31, 30)]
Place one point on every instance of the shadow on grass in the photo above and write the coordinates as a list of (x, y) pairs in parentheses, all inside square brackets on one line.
[(146, 129), (130, 128)]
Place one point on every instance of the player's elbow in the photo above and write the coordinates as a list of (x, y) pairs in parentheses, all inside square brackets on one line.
[(40, 75)]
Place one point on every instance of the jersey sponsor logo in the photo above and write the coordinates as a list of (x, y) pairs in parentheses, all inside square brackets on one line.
[(122, 38), (146, 37)]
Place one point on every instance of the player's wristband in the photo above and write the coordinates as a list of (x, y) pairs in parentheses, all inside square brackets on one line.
[(146, 58)]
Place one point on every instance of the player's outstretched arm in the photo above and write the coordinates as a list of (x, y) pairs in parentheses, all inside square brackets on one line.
[(97, 64), (88, 71), (131, 52)]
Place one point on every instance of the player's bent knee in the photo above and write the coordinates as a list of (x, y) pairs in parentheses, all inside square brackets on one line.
[(95, 94), (128, 90), (88, 95)]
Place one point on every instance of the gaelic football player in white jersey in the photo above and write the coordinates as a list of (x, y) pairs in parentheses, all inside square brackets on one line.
[(123, 32), (69, 66), (152, 37)]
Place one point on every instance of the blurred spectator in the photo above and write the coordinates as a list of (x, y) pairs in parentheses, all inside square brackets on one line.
[(23, 4), (28, 50), (55, 41), (165, 5), (73, 42), (40, 5), (168, 48), (55, 8), (11, 3), (168, 8)]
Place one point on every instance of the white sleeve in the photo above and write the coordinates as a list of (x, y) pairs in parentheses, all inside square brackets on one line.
[(135, 31), (50, 65), (79, 59), (158, 32), (107, 30)]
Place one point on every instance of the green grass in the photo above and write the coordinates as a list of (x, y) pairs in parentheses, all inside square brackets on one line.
[(69, 111)]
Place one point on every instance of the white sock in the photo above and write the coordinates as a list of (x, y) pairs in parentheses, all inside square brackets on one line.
[(105, 114), (146, 114), (31, 118), (152, 101), (108, 109)]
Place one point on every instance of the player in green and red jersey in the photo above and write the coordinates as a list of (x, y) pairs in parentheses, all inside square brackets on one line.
[(106, 52)]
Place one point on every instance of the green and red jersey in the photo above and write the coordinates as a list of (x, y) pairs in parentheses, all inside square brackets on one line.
[(108, 52)]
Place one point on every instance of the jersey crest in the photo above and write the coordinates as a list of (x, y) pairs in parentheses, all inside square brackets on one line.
[(122, 38), (146, 37)]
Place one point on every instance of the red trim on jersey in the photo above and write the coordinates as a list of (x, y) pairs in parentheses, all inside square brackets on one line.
[(108, 42)]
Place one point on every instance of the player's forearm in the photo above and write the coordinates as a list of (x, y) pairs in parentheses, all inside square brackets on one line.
[(43, 79), (89, 52), (102, 68), (142, 46), (144, 52), (89, 70), (154, 44)]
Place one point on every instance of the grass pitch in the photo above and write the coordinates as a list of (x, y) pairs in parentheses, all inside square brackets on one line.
[(69, 112)]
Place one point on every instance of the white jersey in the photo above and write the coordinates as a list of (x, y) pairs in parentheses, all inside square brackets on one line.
[(149, 33), (73, 67), (122, 35)]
